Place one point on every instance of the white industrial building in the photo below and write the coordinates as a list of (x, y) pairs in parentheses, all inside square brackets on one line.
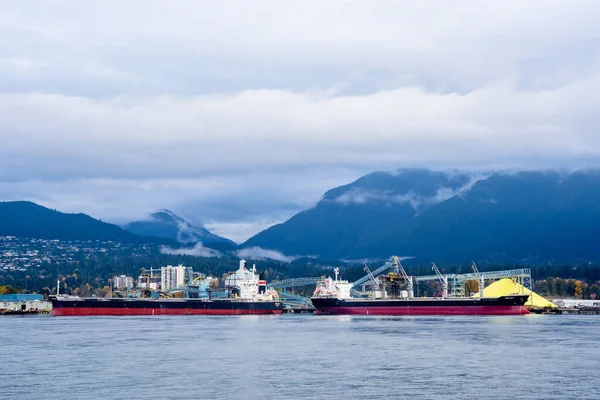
[(576, 303), (123, 282), (148, 282), (24, 303)]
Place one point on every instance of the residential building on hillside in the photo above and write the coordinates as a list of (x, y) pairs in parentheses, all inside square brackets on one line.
[(172, 277)]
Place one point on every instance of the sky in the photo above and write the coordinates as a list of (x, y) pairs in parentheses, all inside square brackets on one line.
[(239, 114)]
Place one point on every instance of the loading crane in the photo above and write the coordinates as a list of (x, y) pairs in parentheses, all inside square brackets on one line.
[(379, 271), (395, 261), (480, 276), (373, 280), (443, 279)]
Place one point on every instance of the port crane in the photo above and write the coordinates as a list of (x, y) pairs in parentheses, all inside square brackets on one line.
[(395, 261), (388, 266), (443, 279), (373, 280), (480, 276)]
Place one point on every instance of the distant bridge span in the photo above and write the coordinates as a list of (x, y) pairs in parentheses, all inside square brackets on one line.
[(293, 299), (294, 282)]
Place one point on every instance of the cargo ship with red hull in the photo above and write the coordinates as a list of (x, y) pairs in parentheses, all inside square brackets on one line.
[(506, 305), (247, 294), (334, 296), (72, 306)]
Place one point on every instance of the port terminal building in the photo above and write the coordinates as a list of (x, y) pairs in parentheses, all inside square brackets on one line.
[(23, 303)]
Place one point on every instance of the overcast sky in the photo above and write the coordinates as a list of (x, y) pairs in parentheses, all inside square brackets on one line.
[(238, 114)]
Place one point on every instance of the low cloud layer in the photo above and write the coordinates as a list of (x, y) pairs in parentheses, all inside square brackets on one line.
[(198, 250), (240, 116), (416, 201), (258, 253)]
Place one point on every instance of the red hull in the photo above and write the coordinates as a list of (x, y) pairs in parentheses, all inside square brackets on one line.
[(74, 311), (430, 310)]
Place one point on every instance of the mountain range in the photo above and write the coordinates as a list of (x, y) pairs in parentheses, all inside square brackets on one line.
[(166, 224), (529, 216), (499, 217), (27, 219)]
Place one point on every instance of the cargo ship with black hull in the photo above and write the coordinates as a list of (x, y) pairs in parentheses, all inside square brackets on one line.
[(248, 295), (333, 296)]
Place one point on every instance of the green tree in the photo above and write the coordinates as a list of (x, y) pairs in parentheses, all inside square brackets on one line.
[(559, 287), (594, 291)]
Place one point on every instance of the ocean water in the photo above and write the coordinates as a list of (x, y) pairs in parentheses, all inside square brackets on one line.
[(300, 357)]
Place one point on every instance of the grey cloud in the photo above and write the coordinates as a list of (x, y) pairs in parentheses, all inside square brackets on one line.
[(198, 250), (239, 115), (174, 136), (258, 253), (416, 201), (272, 44)]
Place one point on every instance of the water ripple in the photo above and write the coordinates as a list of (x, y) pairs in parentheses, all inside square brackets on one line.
[(300, 356)]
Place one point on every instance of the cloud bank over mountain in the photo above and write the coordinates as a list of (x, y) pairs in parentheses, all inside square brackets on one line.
[(198, 250)]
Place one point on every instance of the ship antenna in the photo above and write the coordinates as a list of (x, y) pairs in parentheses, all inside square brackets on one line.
[(336, 271)]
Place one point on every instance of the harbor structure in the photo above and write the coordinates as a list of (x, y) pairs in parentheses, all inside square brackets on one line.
[(24, 304), (576, 303)]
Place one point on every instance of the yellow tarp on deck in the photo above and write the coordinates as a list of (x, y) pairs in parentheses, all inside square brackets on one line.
[(507, 286)]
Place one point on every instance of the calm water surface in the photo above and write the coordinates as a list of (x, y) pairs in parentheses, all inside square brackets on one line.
[(300, 357)]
